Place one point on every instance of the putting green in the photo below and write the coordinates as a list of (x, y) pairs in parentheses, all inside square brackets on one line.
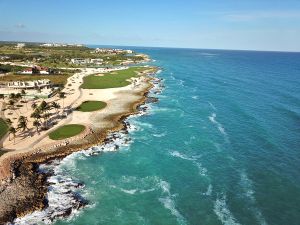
[(66, 131), (90, 106)]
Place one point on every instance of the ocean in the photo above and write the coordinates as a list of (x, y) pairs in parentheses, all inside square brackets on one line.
[(222, 146)]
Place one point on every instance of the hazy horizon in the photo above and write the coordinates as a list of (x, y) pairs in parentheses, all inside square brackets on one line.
[(248, 25)]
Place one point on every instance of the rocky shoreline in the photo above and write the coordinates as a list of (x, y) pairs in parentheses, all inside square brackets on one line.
[(27, 190), (26, 193)]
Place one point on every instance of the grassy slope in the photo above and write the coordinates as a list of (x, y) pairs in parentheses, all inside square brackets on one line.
[(90, 106), (112, 79), (66, 131), (3, 128)]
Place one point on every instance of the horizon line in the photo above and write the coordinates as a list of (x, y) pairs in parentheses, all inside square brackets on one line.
[(167, 47)]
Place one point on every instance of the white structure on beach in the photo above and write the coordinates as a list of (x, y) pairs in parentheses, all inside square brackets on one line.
[(20, 45), (111, 51), (60, 45), (96, 61), (45, 83), (80, 61)]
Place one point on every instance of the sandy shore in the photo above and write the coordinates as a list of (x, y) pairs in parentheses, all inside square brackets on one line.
[(18, 167)]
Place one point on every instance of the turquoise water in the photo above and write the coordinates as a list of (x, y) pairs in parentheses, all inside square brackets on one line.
[(222, 146)]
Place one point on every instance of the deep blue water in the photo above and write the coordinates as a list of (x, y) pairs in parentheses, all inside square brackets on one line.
[(222, 146)]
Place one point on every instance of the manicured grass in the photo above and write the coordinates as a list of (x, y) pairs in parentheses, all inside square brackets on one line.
[(111, 80), (90, 106), (66, 131), (3, 128)]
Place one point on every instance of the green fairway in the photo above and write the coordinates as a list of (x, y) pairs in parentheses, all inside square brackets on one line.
[(90, 106), (111, 80), (3, 128), (66, 131)]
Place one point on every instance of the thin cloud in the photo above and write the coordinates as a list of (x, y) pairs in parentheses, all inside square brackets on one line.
[(261, 15), (20, 25)]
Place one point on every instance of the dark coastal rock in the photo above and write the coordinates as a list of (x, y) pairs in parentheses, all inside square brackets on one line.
[(27, 192), (151, 100)]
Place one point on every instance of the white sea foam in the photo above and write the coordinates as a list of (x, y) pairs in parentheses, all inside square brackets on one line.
[(127, 191), (208, 54), (181, 82), (62, 197), (194, 159), (212, 106), (169, 203), (223, 212), (209, 190), (247, 186), (220, 127), (195, 97), (160, 135)]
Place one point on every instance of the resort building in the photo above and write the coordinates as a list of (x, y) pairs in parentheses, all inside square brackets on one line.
[(20, 45), (80, 61), (27, 71), (96, 61), (30, 84), (36, 70)]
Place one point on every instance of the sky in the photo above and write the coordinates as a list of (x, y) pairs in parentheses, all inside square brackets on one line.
[(272, 25)]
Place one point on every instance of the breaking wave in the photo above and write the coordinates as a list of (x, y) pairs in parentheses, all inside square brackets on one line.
[(247, 186), (220, 127), (169, 203), (223, 212), (194, 159)]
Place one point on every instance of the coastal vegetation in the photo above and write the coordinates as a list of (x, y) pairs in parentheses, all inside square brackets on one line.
[(3, 128), (61, 55), (90, 106), (9, 68), (66, 131), (119, 78)]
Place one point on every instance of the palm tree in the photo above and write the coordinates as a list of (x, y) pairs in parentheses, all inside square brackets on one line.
[(46, 116), (62, 96), (12, 96), (37, 124), (34, 105), (11, 104), (12, 131), (9, 122), (36, 114), (43, 106), (18, 96), (22, 123), (56, 106), (2, 96), (23, 92)]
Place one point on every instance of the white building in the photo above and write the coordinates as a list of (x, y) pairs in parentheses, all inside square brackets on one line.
[(80, 61), (29, 84), (27, 71), (44, 72), (96, 61), (20, 45)]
